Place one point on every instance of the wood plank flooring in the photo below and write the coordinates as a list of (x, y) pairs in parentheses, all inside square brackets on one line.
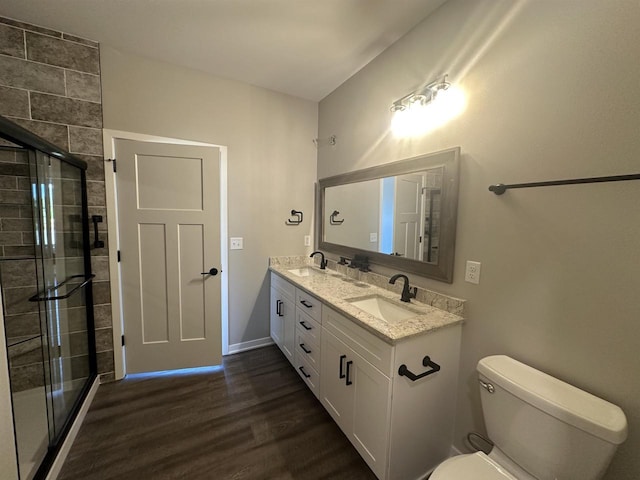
[(255, 419)]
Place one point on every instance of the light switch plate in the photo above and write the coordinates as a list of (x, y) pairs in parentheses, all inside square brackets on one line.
[(472, 272), (235, 243)]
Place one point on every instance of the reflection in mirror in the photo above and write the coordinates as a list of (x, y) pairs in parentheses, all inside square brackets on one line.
[(397, 215), (401, 214)]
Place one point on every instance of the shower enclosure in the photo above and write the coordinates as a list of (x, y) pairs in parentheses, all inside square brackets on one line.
[(45, 274)]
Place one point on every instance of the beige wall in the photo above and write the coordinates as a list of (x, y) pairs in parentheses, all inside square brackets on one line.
[(552, 93), (271, 161), (359, 207)]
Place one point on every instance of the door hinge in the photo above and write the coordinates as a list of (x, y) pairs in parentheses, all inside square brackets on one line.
[(114, 162), (118, 255), (123, 340)]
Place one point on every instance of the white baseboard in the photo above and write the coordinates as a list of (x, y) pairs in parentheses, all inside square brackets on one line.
[(250, 345), (54, 471)]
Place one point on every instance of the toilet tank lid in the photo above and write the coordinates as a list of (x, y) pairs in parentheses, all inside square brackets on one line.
[(557, 398)]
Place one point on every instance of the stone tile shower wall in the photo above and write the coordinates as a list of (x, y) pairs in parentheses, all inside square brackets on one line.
[(50, 84), (18, 272)]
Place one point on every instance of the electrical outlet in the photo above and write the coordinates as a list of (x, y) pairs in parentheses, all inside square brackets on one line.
[(236, 243), (307, 240), (472, 273), (373, 237)]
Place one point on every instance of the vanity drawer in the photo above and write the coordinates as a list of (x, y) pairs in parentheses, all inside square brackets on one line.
[(281, 284), (306, 324), (309, 305), (308, 374), (373, 349), (307, 348)]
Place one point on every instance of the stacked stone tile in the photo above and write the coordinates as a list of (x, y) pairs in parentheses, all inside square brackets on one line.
[(50, 84)]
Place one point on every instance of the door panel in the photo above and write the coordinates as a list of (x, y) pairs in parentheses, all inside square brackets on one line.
[(192, 292), (154, 312), (169, 217), (157, 187)]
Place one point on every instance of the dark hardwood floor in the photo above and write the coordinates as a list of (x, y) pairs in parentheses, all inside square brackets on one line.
[(255, 419)]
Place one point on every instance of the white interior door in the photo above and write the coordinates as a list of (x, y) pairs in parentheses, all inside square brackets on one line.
[(169, 222), (409, 215)]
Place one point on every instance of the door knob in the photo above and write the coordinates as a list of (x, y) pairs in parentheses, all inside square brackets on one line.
[(212, 272)]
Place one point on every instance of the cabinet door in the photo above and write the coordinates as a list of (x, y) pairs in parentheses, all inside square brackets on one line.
[(334, 394), (282, 324), (371, 412), (276, 316), (358, 397)]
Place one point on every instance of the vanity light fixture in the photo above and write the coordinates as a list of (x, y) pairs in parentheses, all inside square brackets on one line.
[(422, 95), (426, 108)]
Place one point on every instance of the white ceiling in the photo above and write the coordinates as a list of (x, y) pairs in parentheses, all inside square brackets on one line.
[(305, 48)]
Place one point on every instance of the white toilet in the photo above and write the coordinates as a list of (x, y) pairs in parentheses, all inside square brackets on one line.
[(542, 428)]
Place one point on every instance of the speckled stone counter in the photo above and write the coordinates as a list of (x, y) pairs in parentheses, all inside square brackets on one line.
[(335, 290)]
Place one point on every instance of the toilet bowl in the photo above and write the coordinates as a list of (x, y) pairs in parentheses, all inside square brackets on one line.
[(542, 428)]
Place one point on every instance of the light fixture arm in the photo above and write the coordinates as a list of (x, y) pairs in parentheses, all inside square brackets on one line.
[(425, 94)]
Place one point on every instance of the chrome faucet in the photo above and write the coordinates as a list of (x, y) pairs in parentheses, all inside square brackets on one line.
[(407, 293), (323, 262)]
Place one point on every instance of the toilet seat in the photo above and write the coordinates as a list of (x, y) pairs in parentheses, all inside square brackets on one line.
[(476, 466)]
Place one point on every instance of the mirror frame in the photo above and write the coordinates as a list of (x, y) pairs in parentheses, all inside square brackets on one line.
[(450, 161)]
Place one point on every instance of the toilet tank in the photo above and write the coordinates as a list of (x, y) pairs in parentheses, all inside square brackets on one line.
[(549, 428)]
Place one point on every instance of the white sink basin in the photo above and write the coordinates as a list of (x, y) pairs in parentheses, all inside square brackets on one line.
[(305, 272), (383, 309)]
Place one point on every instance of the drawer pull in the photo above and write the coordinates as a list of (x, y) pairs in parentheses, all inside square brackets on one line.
[(306, 304), (304, 325), (349, 363), (342, 359), (279, 308), (304, 348), (426, 362), (306, 375)]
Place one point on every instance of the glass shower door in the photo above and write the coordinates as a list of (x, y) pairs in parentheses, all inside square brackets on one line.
[(22, 323), (47, 300), (64, 280)]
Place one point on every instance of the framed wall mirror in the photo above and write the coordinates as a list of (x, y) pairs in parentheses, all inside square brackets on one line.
[(401, 215)]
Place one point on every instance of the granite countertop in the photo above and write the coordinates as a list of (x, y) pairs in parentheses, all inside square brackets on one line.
[(334, 289)]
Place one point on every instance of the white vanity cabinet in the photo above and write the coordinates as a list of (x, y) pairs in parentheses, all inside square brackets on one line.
[(401, 428), (295, 327), (282, 316), (357, 396)]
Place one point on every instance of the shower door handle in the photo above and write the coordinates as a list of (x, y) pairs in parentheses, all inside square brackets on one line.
[(97, 243)]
